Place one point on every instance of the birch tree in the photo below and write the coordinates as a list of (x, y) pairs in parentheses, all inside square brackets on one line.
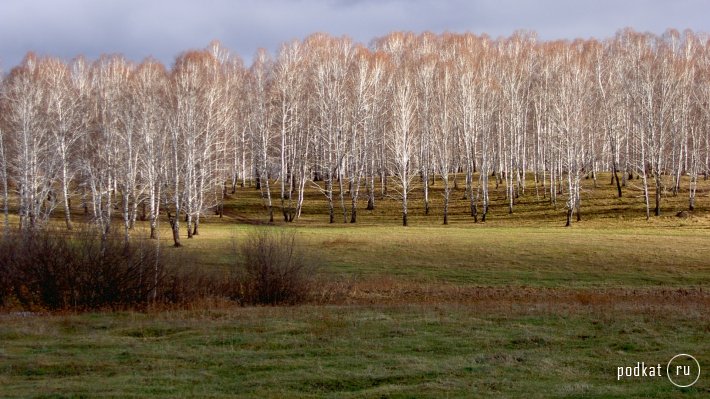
[(444, 128), (109, 77), (260, 120), (477, 94), (149, 86), (366, 75), (289, 81), (31, 157), (377, 122), (609, 79), (403, 143), (700, 139), (66, 122), (200, 118), (516, 64), (571, 113), (333, 58), (3, 164), (426, 68), (3, 181)]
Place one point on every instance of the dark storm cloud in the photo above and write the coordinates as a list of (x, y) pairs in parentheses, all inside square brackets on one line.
[(164, 28)]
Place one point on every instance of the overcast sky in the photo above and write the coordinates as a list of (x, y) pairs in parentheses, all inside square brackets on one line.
[(164, 28)]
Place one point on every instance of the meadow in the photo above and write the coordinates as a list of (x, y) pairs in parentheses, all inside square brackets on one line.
[(516, 306)]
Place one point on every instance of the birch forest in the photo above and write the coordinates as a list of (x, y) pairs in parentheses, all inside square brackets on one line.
[(122, 141)]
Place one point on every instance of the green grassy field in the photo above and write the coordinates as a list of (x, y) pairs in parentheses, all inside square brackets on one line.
[(518, 306), (486, 349)]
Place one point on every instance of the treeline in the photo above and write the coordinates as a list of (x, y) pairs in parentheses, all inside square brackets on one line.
[(357, 122)]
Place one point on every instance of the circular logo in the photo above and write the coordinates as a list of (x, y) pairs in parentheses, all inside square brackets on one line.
[(683, 370)]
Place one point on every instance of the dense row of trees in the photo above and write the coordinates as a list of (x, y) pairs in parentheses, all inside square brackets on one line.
[(355, 122)]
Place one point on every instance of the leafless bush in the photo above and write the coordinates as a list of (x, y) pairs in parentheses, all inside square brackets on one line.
[(57, 270), (275, 269), (53, 270)]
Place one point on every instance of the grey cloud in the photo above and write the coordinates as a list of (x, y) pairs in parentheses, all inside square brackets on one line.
[(164, 28)]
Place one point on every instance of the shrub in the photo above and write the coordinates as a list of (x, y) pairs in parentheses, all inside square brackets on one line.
[(274, 269), (55, 270)]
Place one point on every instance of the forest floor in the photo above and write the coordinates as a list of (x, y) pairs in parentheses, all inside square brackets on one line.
[(516, 306)]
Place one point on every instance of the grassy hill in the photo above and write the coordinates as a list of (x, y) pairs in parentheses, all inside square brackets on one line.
[(516, 306)]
